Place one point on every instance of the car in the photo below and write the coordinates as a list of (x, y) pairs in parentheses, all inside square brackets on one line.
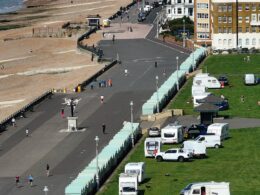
[(155, 4), (154, 132), (141, 17), (224, 79), (194, 131), (173, 154)]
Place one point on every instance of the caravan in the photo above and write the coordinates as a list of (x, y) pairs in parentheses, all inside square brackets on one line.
[(210, 141), (134, 168), (197, 149), (172, 134), (128, 184), (152, 146), (197, 90), (203, 79), (220, 129), (207, 188)]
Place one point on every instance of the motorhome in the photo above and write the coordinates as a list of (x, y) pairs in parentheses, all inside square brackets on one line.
[(128, 184), (250, 79), (152, 146), (138, 168), (197, 149), (197, 90), (198, 97), (220, 129), (204, 79), (172, 134), (210, 141), (206, 188)]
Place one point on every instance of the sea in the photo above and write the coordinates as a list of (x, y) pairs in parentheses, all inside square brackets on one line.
[(10, 5)]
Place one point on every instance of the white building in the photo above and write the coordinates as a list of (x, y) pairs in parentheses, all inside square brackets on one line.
[(179, 9)]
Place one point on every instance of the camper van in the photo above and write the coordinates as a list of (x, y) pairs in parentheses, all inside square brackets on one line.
[(134, 168), (198, 97), (152, 146), (210, 141), (197, 90), (197, 149), (250, 79), (206, 188), (207, 81), (220, 129), (172, 134), (128, 184)]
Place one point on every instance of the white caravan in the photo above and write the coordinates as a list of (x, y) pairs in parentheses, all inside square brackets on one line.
[(199, 97), (128, 184), (152, 146), (197, 90), (203, 79), (197, 149), (220, 129), (210, 141), (172, 134), (134, 168), (250, 79), (207, 188)]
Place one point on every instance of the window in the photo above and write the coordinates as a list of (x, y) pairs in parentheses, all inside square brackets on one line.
[(224, 30), (229, 19), (253, 17), (230, 8), (247, 19), (219, 19), (190, 1), (169, 11), (179, 11), (253, 28), (190, 11), (219, 8), (219, 30), (229, 42), (178, 1), (171, 151), (247, 29), (229, 30), (240, 8), (169, 134), (254, 41), (224, 19), (240, 19), (240, 42), (219, 41), (247, 7), (225, 42), (247, 41), (224, 8), (203, 5), (196, 191), (258, 17), (240, 29), (254, 7)]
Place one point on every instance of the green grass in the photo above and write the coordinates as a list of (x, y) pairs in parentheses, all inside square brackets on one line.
[(11, 26), (234, 67), (238, 163)]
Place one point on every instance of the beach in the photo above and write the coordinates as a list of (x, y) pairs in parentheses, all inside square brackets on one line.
[(29, 66)]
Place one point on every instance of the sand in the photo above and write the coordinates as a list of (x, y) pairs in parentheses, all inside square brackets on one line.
[(21, 54)]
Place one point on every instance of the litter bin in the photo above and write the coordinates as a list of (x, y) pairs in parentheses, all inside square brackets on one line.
[(79, 88)]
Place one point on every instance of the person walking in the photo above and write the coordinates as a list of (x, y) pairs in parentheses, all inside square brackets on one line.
[(102, 99), (155, 64), (103, 128), (30, 180), (126, 72), (62, 113), (17, 180), (113, 39), (13, 122), (27, 132), (48, 170)]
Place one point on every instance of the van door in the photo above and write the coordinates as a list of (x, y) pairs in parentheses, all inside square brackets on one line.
[(203, 190)]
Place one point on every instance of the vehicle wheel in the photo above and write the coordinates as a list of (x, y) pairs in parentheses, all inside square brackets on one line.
[(217, 146), (159, 158), (181, 159)]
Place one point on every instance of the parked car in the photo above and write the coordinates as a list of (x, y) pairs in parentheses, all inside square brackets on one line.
[(224, 79), (174, 154), (141, 17), (194, 131), (154, 132)]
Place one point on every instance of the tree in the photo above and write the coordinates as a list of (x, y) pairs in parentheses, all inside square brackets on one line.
[(176, 26)]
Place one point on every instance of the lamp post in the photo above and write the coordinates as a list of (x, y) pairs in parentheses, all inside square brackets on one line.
[(46, 190), (183, 33), (177, 59), (157, 25), (97, 174), (157, 79), (132, 128), (193, 63)]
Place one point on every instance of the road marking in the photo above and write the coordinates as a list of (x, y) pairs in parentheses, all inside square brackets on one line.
[(132, 83), (82, 4), (15, 59), (63, 52)]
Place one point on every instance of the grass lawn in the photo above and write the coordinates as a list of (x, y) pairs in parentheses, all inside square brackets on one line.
[(234, 67), (238, 163)]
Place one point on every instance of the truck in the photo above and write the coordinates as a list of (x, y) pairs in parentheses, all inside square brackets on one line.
[(206, 188), (196, 149), (210, 141), (152, 146), (172, 133), (204, 79), (134, 168), (220, 129), (128, 184), (173, 154)]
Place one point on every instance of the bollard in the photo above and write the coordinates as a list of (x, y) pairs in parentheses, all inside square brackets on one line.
[(64, 90)]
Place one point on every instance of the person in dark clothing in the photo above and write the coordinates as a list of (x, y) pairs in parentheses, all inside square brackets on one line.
[(48, 170), (104, 128), (155, 64)]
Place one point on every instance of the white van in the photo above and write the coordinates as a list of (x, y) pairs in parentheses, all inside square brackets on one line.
[(210, 141), (128, 184), (172, 134), (152, 146), (207, 81), (197, 90), (199, 97), (138, 168), (220, 129), (207, 188), (197, 149), (250, 79)]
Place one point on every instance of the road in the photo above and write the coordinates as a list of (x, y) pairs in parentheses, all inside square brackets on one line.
[(68, 153)]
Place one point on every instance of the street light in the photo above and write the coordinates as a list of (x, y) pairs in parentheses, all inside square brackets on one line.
[(177, 59), (193, 63), (157, 25), (132, 128), (157, 79), (183, 33), (46, 190), (97, 174)]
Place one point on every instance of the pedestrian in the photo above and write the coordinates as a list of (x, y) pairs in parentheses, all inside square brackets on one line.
[(17, 180), (62, 112), (113, 38), (27, 132), (92, 57), (48, 170), (91, 86), (13, 122), (110, 82), (126, 72), (103, 34), (102, 99), (30, 180), (127, 17), (164, 72), (155, 64), (222, 96), (103, 128)]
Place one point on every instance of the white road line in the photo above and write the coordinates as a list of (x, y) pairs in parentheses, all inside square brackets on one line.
[(82, 4), (15, 59), (167, 46), (132, 83), (63, 52)]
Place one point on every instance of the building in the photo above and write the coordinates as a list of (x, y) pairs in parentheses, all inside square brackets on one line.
[(180, 8), (235, 24), (202, 23)]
